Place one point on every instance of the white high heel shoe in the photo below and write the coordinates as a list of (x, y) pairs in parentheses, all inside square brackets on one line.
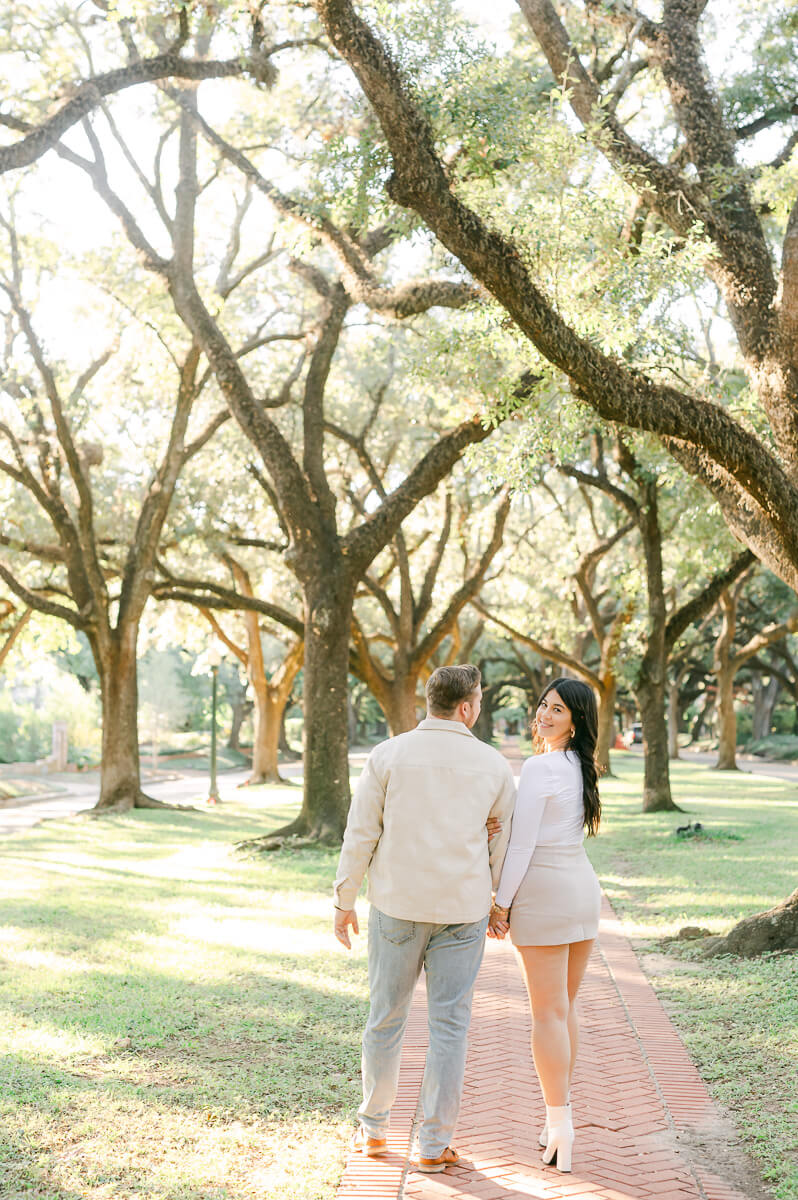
[(561, 1137), (543, 1137)]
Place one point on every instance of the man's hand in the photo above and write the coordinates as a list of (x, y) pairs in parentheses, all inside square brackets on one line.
[(498, 923), (494, 827), (344, 917)]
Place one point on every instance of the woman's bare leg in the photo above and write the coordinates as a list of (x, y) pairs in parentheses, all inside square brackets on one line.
[(578, 955), (545, 971)]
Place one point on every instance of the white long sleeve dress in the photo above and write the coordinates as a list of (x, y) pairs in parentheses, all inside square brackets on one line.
[(547, 881)]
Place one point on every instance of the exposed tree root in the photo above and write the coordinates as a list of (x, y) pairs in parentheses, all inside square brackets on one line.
[(294, 836), (662, 806), (267, 777), (775, 929), (131, 800)]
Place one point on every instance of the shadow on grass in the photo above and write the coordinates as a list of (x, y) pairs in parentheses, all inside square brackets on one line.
[(261, 1045)]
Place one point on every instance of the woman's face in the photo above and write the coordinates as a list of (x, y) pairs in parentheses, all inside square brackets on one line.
[(553, 719)]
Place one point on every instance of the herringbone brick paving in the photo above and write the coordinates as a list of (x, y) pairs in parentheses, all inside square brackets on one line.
[(638, 1100)]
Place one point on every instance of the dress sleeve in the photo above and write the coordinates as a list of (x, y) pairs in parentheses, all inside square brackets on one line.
[(529, 809)]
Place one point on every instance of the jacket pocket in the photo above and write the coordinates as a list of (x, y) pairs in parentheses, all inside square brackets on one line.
[(395, 930)]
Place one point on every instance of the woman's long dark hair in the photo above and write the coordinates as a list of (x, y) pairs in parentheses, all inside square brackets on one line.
[(580, 700)]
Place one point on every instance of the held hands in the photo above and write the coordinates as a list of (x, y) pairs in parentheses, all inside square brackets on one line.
[(498, 922), (344, 917), (494, 827)]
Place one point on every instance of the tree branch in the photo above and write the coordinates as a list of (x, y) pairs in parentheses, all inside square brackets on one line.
[(422, 605), (470, 586), (203, 594), (404, 300), (544, 649), (35, 600), (87, 96), (609, 387), (701, 603), (13, 633)]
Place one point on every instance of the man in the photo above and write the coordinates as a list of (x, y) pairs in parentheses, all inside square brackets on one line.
[(417, 823)]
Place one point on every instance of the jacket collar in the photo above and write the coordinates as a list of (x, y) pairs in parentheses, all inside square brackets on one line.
[(447, 726)]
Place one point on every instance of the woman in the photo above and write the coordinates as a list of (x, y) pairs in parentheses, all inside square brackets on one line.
[(550, 894)]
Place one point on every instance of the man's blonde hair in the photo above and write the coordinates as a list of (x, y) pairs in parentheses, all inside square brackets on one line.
[(447, 686)]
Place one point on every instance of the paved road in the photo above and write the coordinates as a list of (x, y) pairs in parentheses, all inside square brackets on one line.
[(746, 762), (81, 792)]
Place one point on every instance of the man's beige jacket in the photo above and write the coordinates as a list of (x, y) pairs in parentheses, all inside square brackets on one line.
[(417, 825)]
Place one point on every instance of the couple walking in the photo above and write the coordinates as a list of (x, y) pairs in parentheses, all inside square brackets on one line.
[(436, 823)]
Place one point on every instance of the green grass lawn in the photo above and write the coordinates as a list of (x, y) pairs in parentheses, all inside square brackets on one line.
[(174, 1022), (738, 1017), (177, 1023)]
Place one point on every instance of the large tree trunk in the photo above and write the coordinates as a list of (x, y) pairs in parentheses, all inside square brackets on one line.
[(727, 720), (241, 708), (674, 717), (650, 693), (286, 750), (328, 617), (399, 704), (271, 700), (765, 698), (483, 727), (702, 716), (606, 723), (651, 680), (120, 778), (329, 599), (725, 670), (775, 929), (266, 720)]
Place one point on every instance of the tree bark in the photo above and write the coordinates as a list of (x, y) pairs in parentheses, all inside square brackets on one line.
[(267, 716), (651, 680), (702, 716), (725, 671), (286, 750), (674, 716), (328, 604), (13, 633), (727, 720), (650, 693), (765, 698), (727, 663), (120, 778), (606, 722), (271, 699), (328, 617), (483, 727), (240, 710), (399, 705)]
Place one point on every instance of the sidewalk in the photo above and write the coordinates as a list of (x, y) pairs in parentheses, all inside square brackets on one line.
[(646, 1127)]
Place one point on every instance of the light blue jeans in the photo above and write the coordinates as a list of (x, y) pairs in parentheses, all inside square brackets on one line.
[(451, 956)]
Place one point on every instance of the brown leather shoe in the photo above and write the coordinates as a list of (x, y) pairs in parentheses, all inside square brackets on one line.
[(446, 1158), (372, 1147)]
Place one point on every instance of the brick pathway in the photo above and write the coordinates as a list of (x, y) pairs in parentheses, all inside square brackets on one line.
[(641, 1110)]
